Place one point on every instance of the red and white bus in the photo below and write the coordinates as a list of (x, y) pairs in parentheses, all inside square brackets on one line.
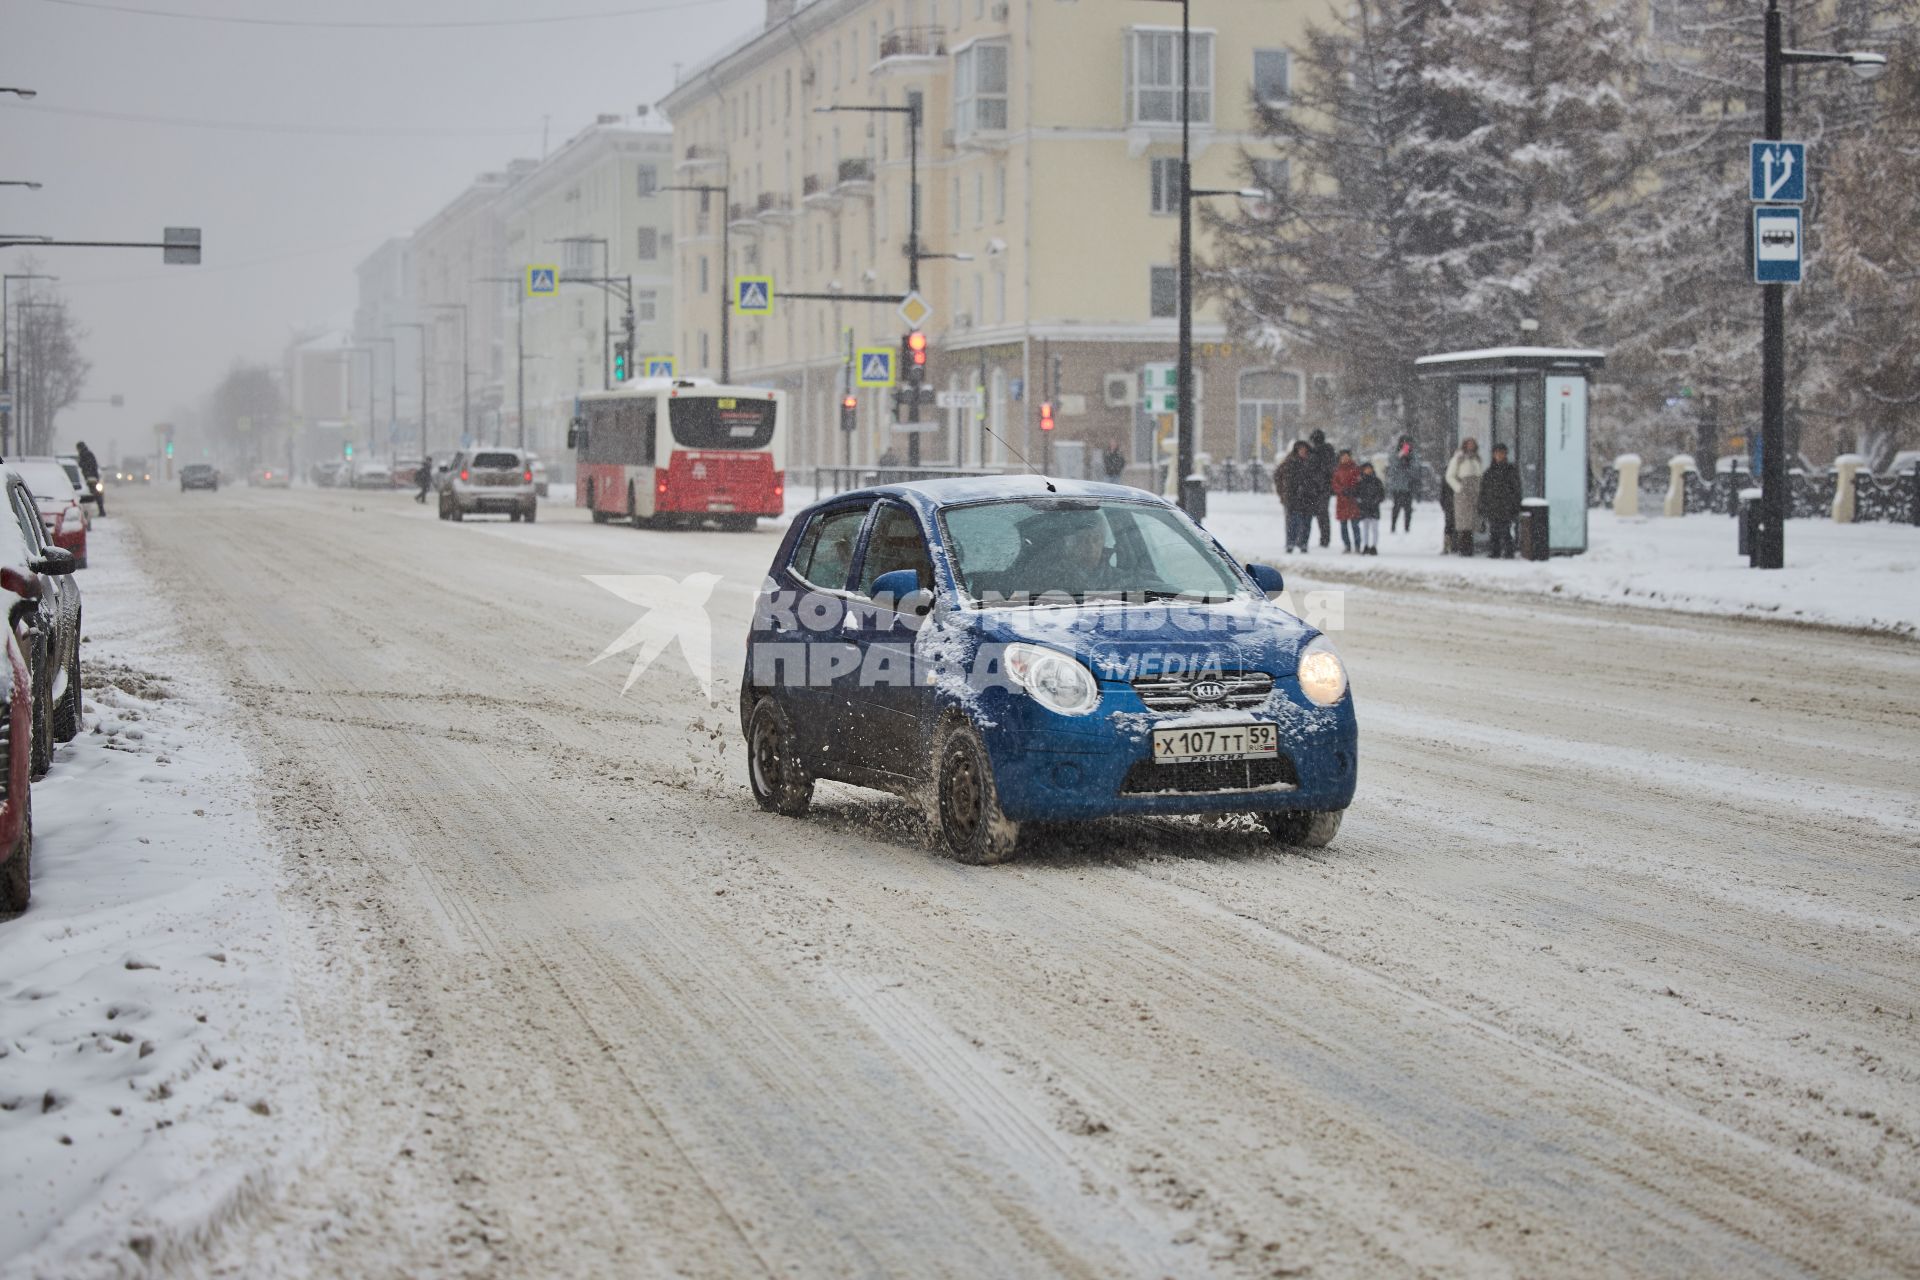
[(681, 450)]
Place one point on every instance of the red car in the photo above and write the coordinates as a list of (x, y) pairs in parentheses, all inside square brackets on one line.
[(16, 737), (65, 519)]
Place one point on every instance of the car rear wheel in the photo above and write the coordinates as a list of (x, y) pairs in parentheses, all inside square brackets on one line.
[(66, 713), (1305, 828), (454, 513), (42, 758), (780, 781), (967, 804), (531, 508)]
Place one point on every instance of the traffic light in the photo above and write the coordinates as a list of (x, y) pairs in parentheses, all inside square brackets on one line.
[(1046, 415), (349, 451), (619, 362), (849, 410), (917, 350), (169, 448)]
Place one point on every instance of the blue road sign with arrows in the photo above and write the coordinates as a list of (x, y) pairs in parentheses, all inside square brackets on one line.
[(1777, 172)]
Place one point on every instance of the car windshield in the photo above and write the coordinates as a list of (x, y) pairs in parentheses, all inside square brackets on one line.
[(496, 462), (46, 479), (1043, 550)]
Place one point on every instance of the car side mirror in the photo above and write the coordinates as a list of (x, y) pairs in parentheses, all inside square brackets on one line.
[(1267, 578), (56, 560), (900, 591)]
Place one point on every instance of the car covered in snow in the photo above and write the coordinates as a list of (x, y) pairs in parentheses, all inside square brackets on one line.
[(491, 480), (65, 520), (44, 603), (1014, 649), (199, 475), (89, 490), (16, 788)]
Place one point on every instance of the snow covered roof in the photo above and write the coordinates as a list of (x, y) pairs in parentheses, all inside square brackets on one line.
[(1544, 355)]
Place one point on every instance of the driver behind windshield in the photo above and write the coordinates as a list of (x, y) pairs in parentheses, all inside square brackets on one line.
[(1068, 552)]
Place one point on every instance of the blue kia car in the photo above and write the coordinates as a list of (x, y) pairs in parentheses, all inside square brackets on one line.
[(1014, 649)]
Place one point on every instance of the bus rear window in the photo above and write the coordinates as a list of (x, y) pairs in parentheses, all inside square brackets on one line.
[(721, 422)]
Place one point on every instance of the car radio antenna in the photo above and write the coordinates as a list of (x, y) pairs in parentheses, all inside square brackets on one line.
[(1016, 453)]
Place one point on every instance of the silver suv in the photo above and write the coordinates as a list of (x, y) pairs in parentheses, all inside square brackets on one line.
[(482, 480)]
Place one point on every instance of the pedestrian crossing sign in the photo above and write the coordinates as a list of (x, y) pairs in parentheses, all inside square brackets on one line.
[(873, 367), (543, 281), (659, 366), (753, 295)]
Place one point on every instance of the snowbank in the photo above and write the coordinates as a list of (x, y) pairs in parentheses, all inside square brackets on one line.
[(1850, 575), (152, 1065)]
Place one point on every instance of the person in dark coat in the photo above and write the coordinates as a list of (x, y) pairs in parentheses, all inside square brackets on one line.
[(1114, 463), (1402, 479), (1500, 502), (423, 476), (1345, 473), (90, 470), (1324, 460), (1366, 495), (1297, 481)]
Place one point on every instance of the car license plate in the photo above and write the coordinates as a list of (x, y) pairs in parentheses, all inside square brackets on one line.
[(1215, 742), (719, 506)]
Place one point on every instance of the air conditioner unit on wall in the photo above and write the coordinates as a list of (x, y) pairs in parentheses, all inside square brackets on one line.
[(1118, 390)]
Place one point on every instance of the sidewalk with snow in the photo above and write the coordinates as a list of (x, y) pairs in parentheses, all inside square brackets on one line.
[(152, 1065)]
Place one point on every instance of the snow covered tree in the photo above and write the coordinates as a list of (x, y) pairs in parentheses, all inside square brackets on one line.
[(48, 367), (1453, 162)]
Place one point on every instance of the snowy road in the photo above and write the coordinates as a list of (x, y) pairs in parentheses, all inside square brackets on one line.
[(1612, 970)]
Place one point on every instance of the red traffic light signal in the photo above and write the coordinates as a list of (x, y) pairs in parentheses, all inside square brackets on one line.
[(1046, 415), (849, 408), (917, 347)]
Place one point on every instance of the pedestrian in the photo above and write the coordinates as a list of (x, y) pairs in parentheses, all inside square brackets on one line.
[(1500, 503), (1464, 473), (423, 476), (1368, 494), (1114, 463), (1324, 460), (90, 472), (1401, 479), (1298, 483), (1345, 473)]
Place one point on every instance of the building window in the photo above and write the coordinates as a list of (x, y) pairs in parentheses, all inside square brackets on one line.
[(1153, 78), (953, 210), (1163, 292), (647, 246), (979, 199), (703, 276), (1273, 175), (646, 308), (1000, 192), (980, 88), (1164, 178), (704, 362), (647, 180), (1272, 76), (1270, 410)]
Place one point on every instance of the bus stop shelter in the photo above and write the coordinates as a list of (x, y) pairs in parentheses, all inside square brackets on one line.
[(1534, 401)]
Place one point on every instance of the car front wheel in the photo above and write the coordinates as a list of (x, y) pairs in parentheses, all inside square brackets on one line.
[(780, 781), (1302, 827), (967, 804)]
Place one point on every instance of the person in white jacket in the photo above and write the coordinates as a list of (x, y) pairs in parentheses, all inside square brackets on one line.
[(1463, 479)]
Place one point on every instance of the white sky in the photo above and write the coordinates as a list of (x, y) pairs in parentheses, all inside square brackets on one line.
[(286, 216)]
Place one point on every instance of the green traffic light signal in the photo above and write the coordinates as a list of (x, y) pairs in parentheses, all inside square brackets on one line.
[(349, 451), (169, 448), (619, 365)]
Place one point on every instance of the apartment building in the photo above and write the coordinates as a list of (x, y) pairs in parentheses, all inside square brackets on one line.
[(594, 209), (1047, 192)]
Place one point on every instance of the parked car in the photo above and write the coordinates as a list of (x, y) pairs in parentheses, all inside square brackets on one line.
[(16, 788), (270, 478), (369, 474), (89, 490), (46, 620), (1014, 650), (64, 519), (489, 480), (199, 475)]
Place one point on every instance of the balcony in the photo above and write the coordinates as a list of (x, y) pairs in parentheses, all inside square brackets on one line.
[(912, 49), (855, 177), (702, 155), (771, 207), (742, 217), (817, 192)]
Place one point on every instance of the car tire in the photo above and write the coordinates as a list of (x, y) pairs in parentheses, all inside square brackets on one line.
[(779, 778), (67, 713), (42, 760), (966, 802), (16, 873), (1304, 828), (531, 508), (454, 513), (513, 517)]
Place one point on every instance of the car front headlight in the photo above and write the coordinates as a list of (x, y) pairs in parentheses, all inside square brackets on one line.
[(1323, 677), (1055, 680)]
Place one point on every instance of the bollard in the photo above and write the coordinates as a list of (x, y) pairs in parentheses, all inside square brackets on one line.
[(1534, 543), (1845, 497), (1626, 499), (1677, 468), (1749, 519)]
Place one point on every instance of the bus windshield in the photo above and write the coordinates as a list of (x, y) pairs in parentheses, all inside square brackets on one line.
[(721, 422)]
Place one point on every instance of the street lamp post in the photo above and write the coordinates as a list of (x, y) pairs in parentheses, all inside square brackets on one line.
[(421, 329), (1769, 550), (726, 266), (466, 366), (606, 308)]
